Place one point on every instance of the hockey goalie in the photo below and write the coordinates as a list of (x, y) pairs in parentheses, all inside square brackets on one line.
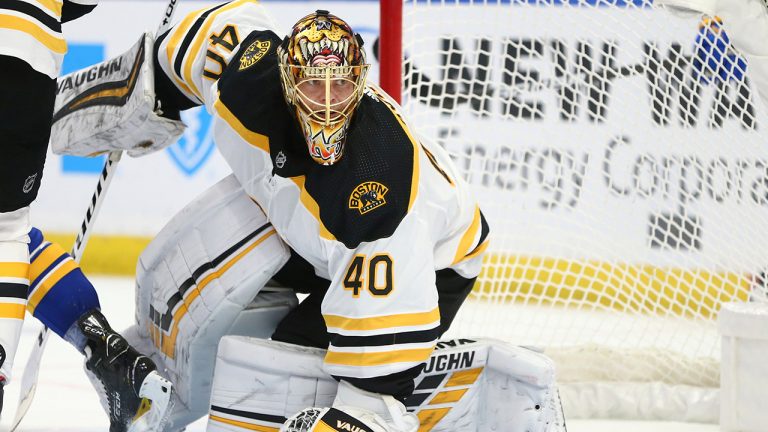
[(332, 196)]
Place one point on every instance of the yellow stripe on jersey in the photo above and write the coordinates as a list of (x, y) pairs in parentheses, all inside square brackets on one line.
[(468, 238), (253, 138), (201, 36), (384, 322), (478, 250), (52, 279), (52, 5), (311, 205), (416, 355), (169, 343), (12, 310), (55, 44), (244, 425), (176, 36), (17, 270)]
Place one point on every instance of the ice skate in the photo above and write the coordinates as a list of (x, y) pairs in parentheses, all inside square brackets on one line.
[(131, 390)]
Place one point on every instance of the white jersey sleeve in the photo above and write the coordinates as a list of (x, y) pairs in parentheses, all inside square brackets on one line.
[(31, 31), (381, 309), (195, 52)]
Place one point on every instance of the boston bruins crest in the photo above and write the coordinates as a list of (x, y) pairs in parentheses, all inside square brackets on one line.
[(368, 196), (254, 53)]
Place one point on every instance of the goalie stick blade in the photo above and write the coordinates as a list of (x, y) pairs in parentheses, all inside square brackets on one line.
[(29, 378), (159, 391)]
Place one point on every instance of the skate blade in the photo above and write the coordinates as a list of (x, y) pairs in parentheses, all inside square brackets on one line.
[(156, 405)]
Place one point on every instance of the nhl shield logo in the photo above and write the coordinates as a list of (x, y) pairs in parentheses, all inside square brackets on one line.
[(194, 148), (280, 159), (253, 54), (368, 196), (29, 183)]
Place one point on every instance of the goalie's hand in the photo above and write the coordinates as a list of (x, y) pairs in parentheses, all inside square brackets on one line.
[(355, 409), (746, 23), (325, 419), (688, 8)]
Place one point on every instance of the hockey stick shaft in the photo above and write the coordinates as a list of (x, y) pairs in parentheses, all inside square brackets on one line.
[(32, 371)]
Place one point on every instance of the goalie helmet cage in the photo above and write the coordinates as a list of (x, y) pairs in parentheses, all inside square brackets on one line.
[(616, 151)]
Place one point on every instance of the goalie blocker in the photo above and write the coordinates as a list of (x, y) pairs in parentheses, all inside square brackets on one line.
[(111, 106)]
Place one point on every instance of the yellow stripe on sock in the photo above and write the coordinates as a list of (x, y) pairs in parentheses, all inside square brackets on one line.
[(12, 310), (18, 270), (48, 283), (44, 260)]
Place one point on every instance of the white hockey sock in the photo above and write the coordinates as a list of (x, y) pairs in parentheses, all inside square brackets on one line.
[(76, 337)]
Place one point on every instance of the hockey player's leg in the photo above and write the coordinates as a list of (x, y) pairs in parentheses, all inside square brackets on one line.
[(26, 107), (14, 265), (125, 380)]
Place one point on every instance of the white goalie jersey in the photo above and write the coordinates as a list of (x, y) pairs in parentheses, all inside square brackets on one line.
[(378, 224)]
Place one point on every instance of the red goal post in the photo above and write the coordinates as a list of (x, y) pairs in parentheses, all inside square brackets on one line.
[(391, 47)]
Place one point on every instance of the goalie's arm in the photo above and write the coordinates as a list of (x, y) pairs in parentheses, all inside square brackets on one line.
[(192, 55)]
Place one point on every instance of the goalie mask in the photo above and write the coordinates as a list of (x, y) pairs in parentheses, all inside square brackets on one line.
[(323, 70)]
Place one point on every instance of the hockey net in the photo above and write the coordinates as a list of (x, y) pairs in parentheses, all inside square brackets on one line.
[(617, 153)]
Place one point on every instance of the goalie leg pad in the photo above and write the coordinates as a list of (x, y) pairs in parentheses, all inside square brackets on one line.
[(197, 281), (111, 106), (467, 386), (258, 384)]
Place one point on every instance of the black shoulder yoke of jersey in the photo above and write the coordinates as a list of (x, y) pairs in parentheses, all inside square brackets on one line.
[(250, 89), (364, 196)]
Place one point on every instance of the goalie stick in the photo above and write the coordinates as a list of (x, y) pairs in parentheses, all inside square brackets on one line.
[(32, 370)]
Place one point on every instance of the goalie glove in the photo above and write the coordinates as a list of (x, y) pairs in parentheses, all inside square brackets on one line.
[(746, 24), (326, 420), (355, 410), (111, 106), (746, 21)]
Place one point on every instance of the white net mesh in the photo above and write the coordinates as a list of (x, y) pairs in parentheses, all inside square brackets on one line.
[(621, 158)]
